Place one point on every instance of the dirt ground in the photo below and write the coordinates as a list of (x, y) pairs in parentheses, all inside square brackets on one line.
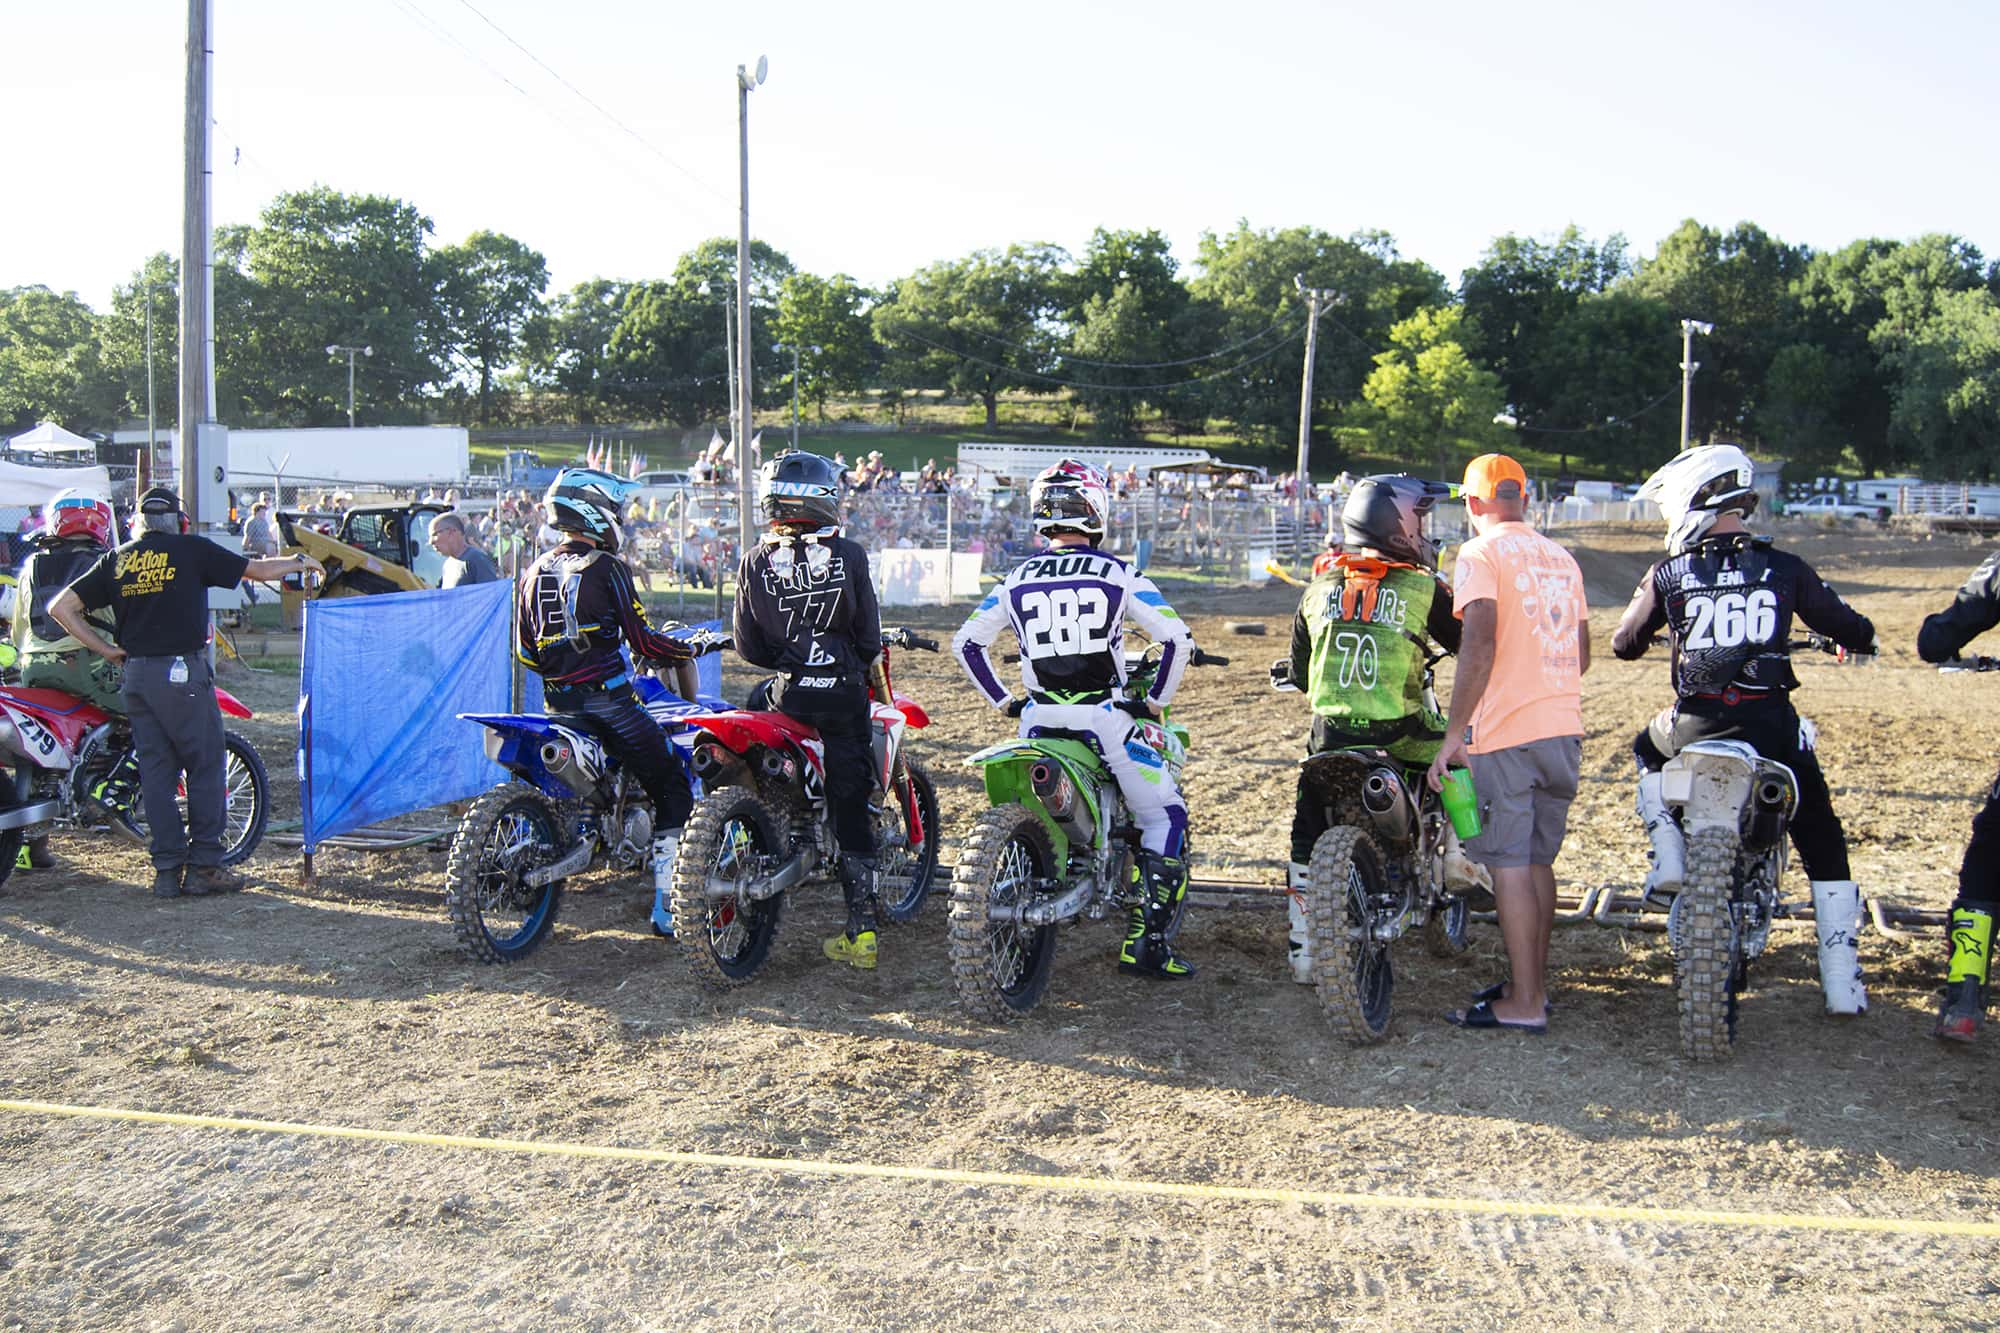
[(349, 1003)]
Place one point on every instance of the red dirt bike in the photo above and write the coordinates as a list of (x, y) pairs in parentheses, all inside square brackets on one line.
[(56, 748), (764, 826)]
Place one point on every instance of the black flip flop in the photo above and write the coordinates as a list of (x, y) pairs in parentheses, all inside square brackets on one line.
[(1498, 991), (1480, 1017)]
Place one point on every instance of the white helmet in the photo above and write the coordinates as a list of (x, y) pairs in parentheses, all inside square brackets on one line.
[(1698, 486), (1070, 496)]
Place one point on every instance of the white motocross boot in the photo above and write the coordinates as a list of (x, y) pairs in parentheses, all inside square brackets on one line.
[(1461, 872), (1296, 882), (1837, 917), (1669, 856), (666, 848)]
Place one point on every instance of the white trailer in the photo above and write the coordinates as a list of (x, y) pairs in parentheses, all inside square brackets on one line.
[(385, 456), (985, 464)]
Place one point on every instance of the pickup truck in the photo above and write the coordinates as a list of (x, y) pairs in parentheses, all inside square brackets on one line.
[(1828, 505)]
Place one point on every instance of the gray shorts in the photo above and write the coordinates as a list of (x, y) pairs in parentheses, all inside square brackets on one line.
[(1524, 799)]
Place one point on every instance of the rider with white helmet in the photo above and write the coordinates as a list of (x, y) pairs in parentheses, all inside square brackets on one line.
[(1727, 599), (1067, 607)]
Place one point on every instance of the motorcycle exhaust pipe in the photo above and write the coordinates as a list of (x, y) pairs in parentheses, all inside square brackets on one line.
[(1383, 796), (778, 767), (1772, 792), (1764, 821), (1053, 786), (561, 763), (709, 760)]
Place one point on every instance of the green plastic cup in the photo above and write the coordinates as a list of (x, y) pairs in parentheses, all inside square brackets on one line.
[(1461, 802)]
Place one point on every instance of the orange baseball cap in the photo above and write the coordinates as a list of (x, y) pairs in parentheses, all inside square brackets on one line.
[(1485, 475)]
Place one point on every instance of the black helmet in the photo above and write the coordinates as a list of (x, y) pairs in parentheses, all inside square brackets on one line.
[(1387, 514), (802, 488), (586, 500)]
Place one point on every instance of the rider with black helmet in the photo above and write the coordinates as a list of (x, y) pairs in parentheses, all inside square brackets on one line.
[(1360, 645), (578, 604), (805, 608)]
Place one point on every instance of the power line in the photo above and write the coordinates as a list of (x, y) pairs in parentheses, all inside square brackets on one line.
[(1132, 365), (1625, 420), (593, 104), (1086, 384)]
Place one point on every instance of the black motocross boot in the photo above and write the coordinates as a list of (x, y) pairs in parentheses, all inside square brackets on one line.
[(856, 945), (1148, 950)]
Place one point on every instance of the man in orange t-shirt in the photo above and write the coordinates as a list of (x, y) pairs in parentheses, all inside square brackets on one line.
[(1517, 721)]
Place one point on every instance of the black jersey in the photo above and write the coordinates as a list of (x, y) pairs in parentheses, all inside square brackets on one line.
[(1975, 610), (578, 604), (809, 614), (1728, 603)]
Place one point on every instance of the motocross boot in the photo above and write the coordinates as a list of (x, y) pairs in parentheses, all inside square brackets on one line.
[(1837, 916), (856, 945), (1669, 854), (666, 848), (1148, 950), (1297, 882), (38, 853), (118, 792), (1964, 1007)]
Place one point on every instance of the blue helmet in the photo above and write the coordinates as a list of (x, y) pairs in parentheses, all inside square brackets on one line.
[(588, 501)]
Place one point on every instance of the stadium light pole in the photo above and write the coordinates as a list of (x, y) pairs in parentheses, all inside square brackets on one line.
[(152, 418), (334, 350), (1689, 327), (1316, 299), (745, 487)]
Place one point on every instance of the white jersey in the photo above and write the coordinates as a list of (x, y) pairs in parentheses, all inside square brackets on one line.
[(1068, 608)]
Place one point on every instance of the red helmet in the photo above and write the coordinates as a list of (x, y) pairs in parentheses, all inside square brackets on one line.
[(75, 513)]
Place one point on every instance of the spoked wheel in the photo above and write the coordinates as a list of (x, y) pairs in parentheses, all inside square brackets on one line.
[(508, 832), (1001, 968), (730, 840), (907, 842), (1351, 968), (1708, 967), (246, 803), (1448, 931)]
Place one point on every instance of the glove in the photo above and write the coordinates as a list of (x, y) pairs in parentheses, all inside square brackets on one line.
[(1139, 709), (1281, 676), (1015, 707)]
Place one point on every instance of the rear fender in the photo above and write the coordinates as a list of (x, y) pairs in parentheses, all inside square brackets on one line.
[(230, 704), (1008, 767)]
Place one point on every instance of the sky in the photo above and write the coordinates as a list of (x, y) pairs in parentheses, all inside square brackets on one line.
[(891, 135)]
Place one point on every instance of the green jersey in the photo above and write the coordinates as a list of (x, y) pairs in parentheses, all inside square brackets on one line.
[(1359, 644)]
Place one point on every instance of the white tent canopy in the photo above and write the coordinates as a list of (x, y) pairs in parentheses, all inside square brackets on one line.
[(33, 487), (49, 438)]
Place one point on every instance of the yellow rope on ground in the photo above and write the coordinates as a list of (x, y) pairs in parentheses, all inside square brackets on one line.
[(1102, 1185)]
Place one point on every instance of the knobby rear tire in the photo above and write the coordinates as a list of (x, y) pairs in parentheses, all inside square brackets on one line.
[(733, 834), (1706, 971), (1001, 972), (1351, 970)]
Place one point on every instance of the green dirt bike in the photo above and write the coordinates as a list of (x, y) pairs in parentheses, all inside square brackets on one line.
[(1056, 845)]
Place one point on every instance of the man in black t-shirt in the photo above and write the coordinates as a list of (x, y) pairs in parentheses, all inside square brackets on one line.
[(156, 587)]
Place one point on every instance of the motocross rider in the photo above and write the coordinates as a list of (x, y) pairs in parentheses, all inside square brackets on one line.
[(577, 604), (1378, 594), (77, 528), (1727, 599), (1975, 610), (805, 607), (1067, 607)]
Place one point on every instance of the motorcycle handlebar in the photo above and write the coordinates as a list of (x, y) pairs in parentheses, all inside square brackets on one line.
[(1201, 658), (903, 638)]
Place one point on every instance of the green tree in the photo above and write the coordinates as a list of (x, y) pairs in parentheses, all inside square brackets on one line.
[(826, 319), (1129, 321), (1520, 292), (666, 355), (1799, 410), (122, 333), (490, 286), (50, 363), (1948, 392), (1250, 302), (566, 345), (1426, 392), (978, 326), (1617, 402)]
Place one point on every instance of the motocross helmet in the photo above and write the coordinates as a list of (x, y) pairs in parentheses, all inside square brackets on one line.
[(1388, 514), (1696, 488), (588, 501), (1070, 497), (73, 513), (801, 489)]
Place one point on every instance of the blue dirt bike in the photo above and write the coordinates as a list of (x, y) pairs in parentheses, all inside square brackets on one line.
[(568, 809)]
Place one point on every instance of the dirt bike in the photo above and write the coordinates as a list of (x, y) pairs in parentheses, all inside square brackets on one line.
[(570, 808), (1055, 845), (1734, 807), (1377, 871), (765, 828), (59, 748)]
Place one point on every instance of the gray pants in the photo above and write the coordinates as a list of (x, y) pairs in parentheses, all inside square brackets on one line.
[(177, 729)]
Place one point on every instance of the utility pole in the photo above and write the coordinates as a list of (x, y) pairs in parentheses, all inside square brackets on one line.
[(334, 351), (746, 493), (1689, 327), (152, 431), (1316, 297), (197, 372)]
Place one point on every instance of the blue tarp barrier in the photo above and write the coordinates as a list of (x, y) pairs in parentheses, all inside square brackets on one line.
[(381, 682)]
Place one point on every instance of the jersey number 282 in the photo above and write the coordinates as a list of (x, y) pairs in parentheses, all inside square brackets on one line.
[(1065, 622)]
